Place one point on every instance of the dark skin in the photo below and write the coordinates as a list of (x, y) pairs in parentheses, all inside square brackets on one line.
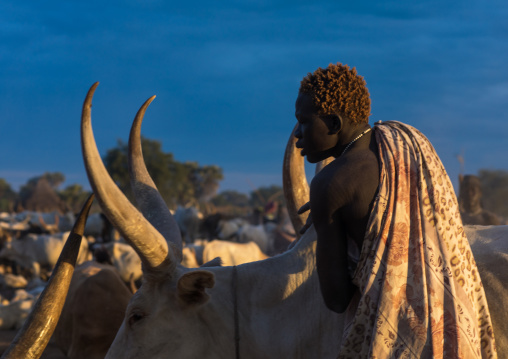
[(341, 195)]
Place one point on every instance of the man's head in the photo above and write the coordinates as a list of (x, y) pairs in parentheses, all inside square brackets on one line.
[(329, 101), (338, 90)]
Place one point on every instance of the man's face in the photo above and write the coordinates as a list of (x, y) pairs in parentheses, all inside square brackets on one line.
[(314, 136)]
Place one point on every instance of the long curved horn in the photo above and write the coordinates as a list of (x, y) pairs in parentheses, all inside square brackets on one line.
[(296, 187), (148, 198), (34, 336), (144, 238), (294, 183)]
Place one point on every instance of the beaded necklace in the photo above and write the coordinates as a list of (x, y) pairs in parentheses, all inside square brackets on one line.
[(357, 137)]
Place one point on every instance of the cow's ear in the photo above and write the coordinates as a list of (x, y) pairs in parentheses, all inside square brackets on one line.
[(191, 287)]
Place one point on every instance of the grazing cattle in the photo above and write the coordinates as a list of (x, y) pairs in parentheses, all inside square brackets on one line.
[(10, 224), (35, 334), (272, 238), (241, 231), (227, 230), (265, 309), (52, 221), (123, 257), (230, 253), (10, 280), (99, 227), (188, 220), (256, 234), (14, 314), (35, 251)]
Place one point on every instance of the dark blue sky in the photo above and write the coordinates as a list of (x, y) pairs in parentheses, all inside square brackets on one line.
[(226, 77)]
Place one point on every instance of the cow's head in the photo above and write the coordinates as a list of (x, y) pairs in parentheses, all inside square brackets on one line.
[(167, 315), (164, 314)]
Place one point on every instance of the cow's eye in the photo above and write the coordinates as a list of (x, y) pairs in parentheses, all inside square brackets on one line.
[(135, 317)]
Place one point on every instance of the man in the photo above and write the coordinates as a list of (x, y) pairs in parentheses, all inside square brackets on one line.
[(391, 251), (471, 210)]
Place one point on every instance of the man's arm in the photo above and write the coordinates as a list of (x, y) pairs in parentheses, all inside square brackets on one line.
[(331, 254)]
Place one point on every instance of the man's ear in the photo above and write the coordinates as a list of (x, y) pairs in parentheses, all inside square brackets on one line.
[(334, 123)]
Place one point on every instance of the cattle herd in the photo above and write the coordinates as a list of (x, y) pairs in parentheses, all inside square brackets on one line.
[(149, 283), (31, 242)]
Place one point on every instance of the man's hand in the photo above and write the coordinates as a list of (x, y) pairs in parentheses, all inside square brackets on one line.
[(303, 209)]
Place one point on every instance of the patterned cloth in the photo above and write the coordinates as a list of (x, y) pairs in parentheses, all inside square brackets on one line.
[(420, 294)]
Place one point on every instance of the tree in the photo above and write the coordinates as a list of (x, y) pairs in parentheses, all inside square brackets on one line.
[(39, 193), (54, 179), (231, 198), (206, 181), (495, 191), (7, 196), (178, 183), (74, 196)]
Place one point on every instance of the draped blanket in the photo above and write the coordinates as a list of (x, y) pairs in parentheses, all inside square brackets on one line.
[(420, 294)]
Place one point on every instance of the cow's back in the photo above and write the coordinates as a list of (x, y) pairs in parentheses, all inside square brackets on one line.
[(490, 250), (232, 253)]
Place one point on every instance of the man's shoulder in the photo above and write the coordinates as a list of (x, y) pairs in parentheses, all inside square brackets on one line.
[(345, 176)]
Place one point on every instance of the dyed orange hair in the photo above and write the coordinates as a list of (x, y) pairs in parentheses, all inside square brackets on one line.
[(338, 90)]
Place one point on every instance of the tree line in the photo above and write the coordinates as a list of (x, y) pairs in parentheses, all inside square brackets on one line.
[(180, 183)]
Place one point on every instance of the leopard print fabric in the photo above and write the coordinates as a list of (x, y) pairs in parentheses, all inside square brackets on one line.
[(420, 292)]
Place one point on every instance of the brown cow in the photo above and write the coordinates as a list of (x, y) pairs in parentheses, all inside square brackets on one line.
[(93, 311)]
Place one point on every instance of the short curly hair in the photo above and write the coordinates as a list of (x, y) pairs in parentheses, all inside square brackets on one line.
[(339, 90)]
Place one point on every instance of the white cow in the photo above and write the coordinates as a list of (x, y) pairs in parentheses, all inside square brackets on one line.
[(56, 221), (11, 224), (34, 251), (228, 229), (188, 220), (241, 231), (13, 314), (256, 234), (230, 253), (124, 258)]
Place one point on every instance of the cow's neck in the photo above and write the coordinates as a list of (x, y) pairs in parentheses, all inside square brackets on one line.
[(277, 295)]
